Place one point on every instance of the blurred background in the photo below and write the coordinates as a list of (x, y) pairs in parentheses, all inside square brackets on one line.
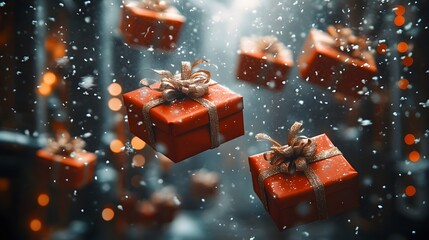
[(64, 65)]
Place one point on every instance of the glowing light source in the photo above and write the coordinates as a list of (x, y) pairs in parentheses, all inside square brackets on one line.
[(402, 47), (43, 199), (381, 48), (139, 160), (114, 89), (137, 143), (409, 139), (403, 84), (107, 214), (399, 21), (414, 156), (49, 78), (399, 10), (44, 89), (410, 190), (116, 146), (35, 225), (408, 61), (115, 104)]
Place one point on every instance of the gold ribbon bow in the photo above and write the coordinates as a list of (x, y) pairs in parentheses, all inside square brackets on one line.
[(192, 85), (297, 155), (155, 5), (347, 42), (65, 146)]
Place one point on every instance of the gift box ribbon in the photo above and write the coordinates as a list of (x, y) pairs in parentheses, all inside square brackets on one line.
[(187, 84), (155, 5), (64, 146), (347, 42), (295, 157)]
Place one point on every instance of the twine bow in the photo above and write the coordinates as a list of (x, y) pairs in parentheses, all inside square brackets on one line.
[(193, 85), (297, 155), (269, 45), (347, 42), (65, 146), (155, 5), (187, 83)]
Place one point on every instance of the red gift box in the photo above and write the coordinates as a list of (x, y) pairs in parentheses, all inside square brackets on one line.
[(291, 199), (322, 64), (65, 171), (145, 27), (182, 128), (261, 65)]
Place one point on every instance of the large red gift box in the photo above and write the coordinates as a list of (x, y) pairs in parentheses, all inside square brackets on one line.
[(182, 127), (259, 67), (144, 27), (322, 64), (291, 199), (65, 171)]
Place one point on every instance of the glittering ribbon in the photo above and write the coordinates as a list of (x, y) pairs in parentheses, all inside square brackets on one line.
[(294, 157), (347, 42), (155, 5), (187, 84), (64, 146)]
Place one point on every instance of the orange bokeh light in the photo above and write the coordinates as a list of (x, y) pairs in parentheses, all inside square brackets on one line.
[(408, 61), (381, 48), (402, 47), (137, 143), (139, 160), (115, 104), (107, 214), (35, 225), (43, 199), (403, 84), (49, 78), (116, 146), (44, 89), (4, 184), (410, 190), (114, 89), (409, 139), (400, 10), (399, 21), (414, 156)]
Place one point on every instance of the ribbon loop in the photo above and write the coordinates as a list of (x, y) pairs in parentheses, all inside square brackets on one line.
[(64, 145), (347, 42), (294, 157), (155, 5)]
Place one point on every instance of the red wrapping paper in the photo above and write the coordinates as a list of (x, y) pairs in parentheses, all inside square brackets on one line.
[(255, 67), (143, 27), (182, 127), (320, 63), (68, 172), (291, 199)]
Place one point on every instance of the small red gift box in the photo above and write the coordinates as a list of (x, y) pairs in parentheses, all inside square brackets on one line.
[(183, 128), (291, 199), (264, 61), (323, 64), (146, 27), (65, 171)]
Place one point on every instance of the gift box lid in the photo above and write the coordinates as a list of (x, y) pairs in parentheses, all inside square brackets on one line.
[(286, 190), (183, 115), (82, 159), (171, 12), (324, 43), (249, 46)]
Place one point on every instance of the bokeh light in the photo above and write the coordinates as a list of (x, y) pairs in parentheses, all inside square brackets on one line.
[(137, 143), (399, 10), (49, 78), (408, 61), (44, 89), (139, 160), (107, 214), (402, 47), (116, 146), (414, 156), (4, 184), (115, 104), (381, 48), (399, 21), (43, 199), (35, 225), (410, 190), (403, 84), (114, 89), (409, 139)]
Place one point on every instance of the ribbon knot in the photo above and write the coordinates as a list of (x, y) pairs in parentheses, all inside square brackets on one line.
[(347, 42), (269, 45), (187, 83), (65, 146), (300, 149)]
